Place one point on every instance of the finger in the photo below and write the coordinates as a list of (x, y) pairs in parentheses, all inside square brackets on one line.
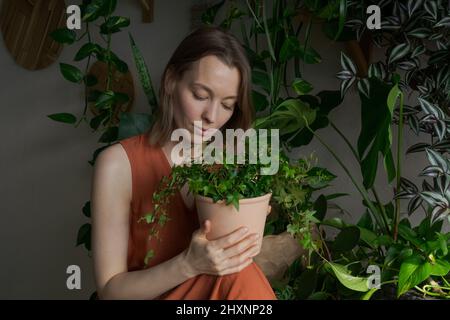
[(269, 210), (241, 246), (237, 268), (239, 259), (231, 238), (206, 227)]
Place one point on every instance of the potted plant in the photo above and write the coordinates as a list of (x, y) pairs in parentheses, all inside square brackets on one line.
[(235, 194)]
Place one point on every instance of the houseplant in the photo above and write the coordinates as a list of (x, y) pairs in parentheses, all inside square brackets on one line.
[(414, 37), (232, 186), (411, 259)]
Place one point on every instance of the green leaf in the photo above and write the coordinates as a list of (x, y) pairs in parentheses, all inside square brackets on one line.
[(413, 271), (347, 63), (63, 117), (369, 294), (86, 50), (64, 36), (439, 268), (289, 116), (110, 135), (71, 73), (98, 8), (209, 15), (409, 234), (375, 137), (365, 221), (259, 101), (132, 124), (118, 63), (309, 55), (320, 207), (90, 80), (84, 236), (150, 254), (334, 222), (144, 75), (114, 24), (301, 86), (289, 49), (368, 237), (105, 100), (306, 283), (398, 52), (347, 239), (344, 276), (87, 209), (261, 79)]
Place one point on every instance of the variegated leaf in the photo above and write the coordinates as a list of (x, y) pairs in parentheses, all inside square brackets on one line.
[(364, 87), (431, 8), (444, 22), (414, 204), (418, 147), (347, 63), (398, 52)]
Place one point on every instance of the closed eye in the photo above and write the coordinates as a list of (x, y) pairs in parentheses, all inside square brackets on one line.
[(199, 98), (227, 107)]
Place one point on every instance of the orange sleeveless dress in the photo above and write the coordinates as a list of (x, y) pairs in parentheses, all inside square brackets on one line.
[(148, 165)]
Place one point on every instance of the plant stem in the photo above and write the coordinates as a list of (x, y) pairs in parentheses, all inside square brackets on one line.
[(86, 72), (345, 139), (399, 168), (347, 171), (355, 154), (383, 211)]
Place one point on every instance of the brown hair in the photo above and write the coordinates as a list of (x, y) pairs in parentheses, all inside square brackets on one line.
[(202, 42)]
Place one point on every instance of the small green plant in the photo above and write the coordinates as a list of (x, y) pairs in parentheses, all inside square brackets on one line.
[(291, 187)]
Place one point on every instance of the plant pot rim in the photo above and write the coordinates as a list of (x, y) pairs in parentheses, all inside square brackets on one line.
[(241, 201)]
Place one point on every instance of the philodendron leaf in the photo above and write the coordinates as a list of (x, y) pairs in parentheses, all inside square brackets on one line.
[(71, 73), (301, 86), (413, 271), (347, 239), (63, 117), (64, 35), (289, 117), (113, 24), (344, 276)]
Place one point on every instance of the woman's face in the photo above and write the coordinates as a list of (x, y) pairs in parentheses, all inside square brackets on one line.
[(208, 93)]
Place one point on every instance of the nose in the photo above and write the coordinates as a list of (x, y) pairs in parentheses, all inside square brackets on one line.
[(210, 114)]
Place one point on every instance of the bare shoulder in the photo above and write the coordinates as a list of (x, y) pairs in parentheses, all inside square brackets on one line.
[(113, 167)]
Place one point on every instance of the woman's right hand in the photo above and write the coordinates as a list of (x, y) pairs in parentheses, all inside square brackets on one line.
[(225, 255)]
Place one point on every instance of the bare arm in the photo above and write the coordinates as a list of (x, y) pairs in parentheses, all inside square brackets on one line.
[(111, 195)]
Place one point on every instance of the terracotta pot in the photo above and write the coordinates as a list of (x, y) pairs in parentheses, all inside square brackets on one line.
[(226, 219)]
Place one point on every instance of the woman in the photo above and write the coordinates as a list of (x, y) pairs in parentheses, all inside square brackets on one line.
[(207, 79)]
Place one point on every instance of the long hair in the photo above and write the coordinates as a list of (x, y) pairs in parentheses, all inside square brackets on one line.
[(202, 42)]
